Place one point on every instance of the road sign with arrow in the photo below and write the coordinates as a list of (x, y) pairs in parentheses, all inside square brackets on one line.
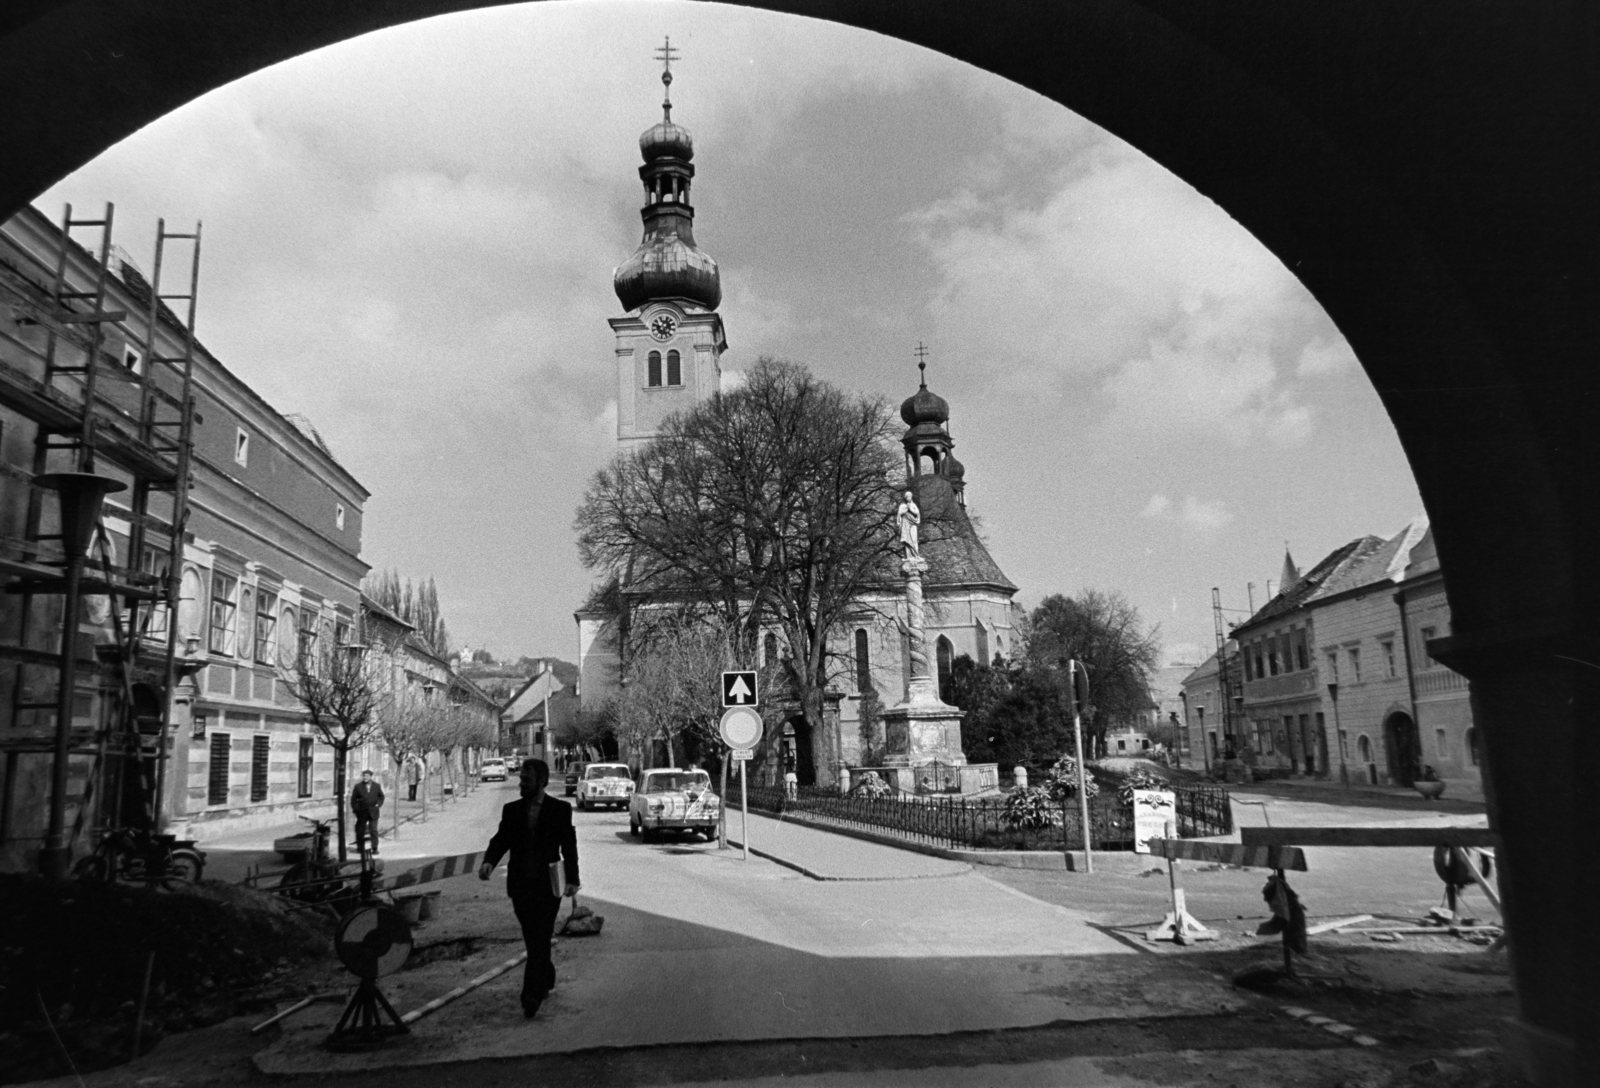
[(739, 689)]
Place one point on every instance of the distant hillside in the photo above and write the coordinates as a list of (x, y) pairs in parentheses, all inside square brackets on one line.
[(501, 679)]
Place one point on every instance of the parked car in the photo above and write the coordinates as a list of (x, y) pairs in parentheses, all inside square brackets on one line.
[(574, 773), (608, 784), (493, 770), (669, 799)]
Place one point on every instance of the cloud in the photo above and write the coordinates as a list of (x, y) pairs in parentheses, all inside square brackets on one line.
[(1325, 355), (1141, 293), (1205, 516), (1199, 515)]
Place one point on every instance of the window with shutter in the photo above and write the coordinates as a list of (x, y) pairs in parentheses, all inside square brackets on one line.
[(217, 776), (260, 752)]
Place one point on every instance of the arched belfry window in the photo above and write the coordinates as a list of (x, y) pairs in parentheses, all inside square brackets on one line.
[(863, 663), (655, 369), (674, 369), (946, 656)]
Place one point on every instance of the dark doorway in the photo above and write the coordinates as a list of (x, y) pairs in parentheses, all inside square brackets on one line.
[(1404, 748), (805, 767)]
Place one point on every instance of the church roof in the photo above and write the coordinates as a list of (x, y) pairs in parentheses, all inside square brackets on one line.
[(949, 542)]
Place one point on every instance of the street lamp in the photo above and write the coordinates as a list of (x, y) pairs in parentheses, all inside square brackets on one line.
[(81, 495), (1333, 696)]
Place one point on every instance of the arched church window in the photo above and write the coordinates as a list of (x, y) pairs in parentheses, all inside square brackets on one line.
[(946, 657), (771, 649), (863, 663), (674, 369), (655, 369)]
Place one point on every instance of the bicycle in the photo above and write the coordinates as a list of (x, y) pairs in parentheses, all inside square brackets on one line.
[(137, 856), (320, 880)]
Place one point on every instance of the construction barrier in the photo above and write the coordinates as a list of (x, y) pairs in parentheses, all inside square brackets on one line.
[(440, 869)]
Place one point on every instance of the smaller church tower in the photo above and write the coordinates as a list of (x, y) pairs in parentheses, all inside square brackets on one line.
[(669, 346)]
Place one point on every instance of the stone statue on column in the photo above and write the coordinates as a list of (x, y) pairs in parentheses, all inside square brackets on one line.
[(909, 517)]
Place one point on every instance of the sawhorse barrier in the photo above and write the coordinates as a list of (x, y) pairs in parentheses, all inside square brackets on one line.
[(1450, 845), (1180, 926), (439, 869)]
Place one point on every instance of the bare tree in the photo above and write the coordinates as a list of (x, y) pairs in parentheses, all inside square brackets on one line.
[(768, 506), (400, 730), (341, 689)]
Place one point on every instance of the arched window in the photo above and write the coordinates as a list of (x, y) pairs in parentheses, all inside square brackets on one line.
[(674, 369), (1472, 744), (771, 647), (945, 653), (655, 369), (1364, 748), (863, 665)]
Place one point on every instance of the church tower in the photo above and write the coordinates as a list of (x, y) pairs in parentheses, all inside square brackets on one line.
[(670, 344)]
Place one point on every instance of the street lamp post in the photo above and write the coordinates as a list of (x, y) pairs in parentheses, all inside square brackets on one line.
[(1073, 667), (80, 495), (1333, 697)]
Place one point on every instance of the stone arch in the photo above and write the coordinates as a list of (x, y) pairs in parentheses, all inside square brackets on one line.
[(1450, 262)]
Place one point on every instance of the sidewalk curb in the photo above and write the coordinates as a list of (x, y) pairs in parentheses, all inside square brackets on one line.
[(1052, 860), (797, 867)]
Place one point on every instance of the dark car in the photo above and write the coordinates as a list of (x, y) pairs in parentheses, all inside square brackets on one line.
[(574, 772)]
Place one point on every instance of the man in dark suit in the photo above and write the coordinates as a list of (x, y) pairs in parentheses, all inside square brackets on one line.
[(536, 831), (365, 801)]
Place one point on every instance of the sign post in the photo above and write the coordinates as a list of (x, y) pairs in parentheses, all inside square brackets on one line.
[(741, 730)]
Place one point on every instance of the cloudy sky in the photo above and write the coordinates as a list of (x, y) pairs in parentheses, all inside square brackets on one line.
[(410, 239)]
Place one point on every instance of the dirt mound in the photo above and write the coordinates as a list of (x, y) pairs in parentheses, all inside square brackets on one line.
[(73, 956)]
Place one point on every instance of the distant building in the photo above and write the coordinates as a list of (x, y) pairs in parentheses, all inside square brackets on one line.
[(1207, 707), (1343, 651)]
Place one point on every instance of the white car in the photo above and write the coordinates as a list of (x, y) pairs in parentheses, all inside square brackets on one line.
[(605, 784), (669, 799), (492, 770)]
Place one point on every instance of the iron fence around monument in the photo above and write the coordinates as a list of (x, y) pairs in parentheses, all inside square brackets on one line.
[(959, 823)]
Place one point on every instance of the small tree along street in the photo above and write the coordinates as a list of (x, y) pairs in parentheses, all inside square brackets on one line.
[(770, 506), (340, 687)]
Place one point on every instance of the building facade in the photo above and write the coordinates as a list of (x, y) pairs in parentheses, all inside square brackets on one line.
[(269, 562)]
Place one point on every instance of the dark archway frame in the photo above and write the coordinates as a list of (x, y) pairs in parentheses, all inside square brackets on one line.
[(1425, 169)]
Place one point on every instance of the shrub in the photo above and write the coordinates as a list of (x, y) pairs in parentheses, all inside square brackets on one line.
[(1062, 781), (869, 785), (1031, 808), (1140, 780)]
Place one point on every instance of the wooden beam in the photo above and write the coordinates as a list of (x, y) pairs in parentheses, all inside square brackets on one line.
[(1231, 853), (1369, 836)]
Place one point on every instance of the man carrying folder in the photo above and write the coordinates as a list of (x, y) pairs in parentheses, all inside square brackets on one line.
[(536, 831)]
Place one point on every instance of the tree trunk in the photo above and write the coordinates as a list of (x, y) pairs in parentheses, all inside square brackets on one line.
[(399, 773), (341, 754)]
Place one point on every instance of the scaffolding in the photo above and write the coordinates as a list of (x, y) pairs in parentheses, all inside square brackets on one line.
[(131, 416)]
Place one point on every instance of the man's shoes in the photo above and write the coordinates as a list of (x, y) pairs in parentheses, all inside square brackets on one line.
[(530, 1009)]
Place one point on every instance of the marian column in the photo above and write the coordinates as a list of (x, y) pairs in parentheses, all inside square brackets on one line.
[(922, 728)]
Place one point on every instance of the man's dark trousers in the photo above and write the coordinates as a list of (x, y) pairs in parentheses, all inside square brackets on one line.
[(367, 822), (537, 914)]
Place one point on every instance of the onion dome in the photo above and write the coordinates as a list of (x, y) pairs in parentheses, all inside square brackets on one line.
[(952, 469), (667, 264), (924, 406), (666, 141)]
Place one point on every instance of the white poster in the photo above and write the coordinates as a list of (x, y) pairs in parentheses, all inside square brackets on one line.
[(1155, 816)]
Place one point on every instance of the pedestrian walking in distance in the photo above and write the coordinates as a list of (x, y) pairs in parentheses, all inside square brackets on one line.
[(413, 776), (365, 801), (541, 847)]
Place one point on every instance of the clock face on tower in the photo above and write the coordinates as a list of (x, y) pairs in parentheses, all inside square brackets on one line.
[(662, 326)]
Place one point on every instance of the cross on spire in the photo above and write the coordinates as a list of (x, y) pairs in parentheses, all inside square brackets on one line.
[(922, 362), (666, 55)]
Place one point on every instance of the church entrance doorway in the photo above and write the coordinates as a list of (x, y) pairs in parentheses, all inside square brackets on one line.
[(1404, 748)]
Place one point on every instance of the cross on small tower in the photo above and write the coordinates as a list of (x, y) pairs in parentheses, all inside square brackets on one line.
[(666, 55), (922, 362)]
